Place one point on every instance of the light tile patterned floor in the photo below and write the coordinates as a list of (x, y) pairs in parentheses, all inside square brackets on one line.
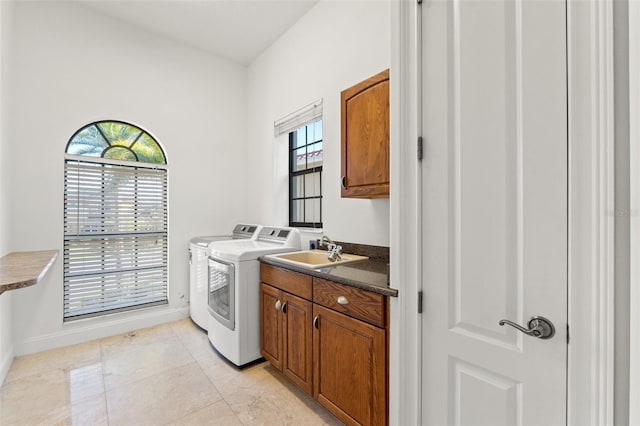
[(167, 374)]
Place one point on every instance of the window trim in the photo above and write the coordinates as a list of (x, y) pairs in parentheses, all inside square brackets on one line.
[(87, 159), (295, 173), (152, 277), (109, 146)]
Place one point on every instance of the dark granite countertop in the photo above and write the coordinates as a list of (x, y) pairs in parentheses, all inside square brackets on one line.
[(371, 274)]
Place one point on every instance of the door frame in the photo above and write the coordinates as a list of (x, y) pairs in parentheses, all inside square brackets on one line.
[(634, 210), (590, 206)]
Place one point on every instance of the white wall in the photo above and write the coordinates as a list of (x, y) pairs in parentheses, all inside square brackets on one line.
[(334, 46), (73, 66), (6, 343)]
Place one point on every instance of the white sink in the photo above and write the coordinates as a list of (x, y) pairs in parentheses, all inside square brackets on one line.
[(314, 259)]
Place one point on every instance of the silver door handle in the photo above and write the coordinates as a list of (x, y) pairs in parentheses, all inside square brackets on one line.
[(539, 327)]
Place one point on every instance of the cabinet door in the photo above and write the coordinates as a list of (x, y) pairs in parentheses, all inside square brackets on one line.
[(271, 325), (365, 138), (349, 368), (298, 340)]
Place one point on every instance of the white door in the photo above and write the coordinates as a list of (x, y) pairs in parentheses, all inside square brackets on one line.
[(494, 212)]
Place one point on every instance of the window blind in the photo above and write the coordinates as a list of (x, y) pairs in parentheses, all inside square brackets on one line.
[(299, 118), (115, 237)]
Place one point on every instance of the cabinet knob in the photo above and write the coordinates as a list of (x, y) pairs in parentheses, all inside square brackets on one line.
[(278, 305), (343, 181), (343, 300), (284, 308), (315, 322)]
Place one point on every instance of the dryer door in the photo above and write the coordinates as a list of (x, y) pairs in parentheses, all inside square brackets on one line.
[(222, 292)]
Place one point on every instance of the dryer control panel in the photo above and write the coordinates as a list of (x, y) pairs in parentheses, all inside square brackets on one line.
[(284, 236)]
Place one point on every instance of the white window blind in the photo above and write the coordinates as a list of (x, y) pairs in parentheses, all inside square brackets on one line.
[(115, 237), (299, 118)]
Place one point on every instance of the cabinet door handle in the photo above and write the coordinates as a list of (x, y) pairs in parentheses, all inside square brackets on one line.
[(284, 308), (343, 300), (278, 305), (315, 322), (343, 181)]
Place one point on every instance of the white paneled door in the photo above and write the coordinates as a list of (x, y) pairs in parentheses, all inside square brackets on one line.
[(494, 212)]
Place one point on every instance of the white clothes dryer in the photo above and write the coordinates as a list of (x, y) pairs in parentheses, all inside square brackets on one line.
[(198, 269), (234, 291)]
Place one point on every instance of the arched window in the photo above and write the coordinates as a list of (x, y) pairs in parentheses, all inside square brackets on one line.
[(115, 220)]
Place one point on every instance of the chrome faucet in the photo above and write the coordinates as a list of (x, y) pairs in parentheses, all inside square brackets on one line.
[(325, 239), (335, 252), (334, 249)]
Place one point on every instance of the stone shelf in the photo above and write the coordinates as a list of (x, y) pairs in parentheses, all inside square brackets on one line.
[(24, 268)]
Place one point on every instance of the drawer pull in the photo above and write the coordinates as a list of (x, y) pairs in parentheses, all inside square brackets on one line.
[(343, 300), (278, 305)]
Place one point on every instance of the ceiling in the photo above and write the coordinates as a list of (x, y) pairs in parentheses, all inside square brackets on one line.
[(235, 29)]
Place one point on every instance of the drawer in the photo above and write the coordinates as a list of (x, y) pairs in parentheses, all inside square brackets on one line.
[(292, 282), (357, 303)]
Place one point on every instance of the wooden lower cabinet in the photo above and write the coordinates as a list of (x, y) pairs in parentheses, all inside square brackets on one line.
[(271, 325), (286, 335), (335, 351), (298, 341), (349, 368)]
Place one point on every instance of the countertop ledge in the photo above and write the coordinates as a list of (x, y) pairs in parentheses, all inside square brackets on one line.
[(348, 274), (21, 269)]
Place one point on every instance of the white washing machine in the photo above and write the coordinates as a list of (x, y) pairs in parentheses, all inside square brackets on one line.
[(234, 291), (198, 269)]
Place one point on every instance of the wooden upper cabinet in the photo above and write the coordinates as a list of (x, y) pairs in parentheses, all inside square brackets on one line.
[(365, 138)]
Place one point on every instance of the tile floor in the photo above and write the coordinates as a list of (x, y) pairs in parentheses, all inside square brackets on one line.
[(167, 374)]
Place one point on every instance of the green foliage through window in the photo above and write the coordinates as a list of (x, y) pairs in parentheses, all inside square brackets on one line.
[(116, 140)]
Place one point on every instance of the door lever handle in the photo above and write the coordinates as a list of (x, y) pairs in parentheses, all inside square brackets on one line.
[(539, 327)]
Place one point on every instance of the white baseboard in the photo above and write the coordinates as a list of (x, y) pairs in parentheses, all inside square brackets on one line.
[(97, 328), (5, 364)]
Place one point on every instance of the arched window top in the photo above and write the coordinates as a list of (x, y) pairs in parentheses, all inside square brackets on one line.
[(116, 140)]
